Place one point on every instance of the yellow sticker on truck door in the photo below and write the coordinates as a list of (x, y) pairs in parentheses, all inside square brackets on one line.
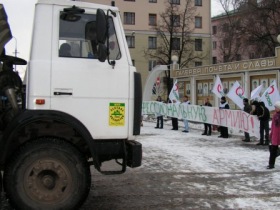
[(116, 114)]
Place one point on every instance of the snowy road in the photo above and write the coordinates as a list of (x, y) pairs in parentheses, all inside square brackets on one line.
[(190, 171)]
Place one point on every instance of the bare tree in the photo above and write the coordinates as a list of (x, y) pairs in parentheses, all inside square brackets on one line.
[(230, 32), (253, 28), (262, 26), (174, 31)]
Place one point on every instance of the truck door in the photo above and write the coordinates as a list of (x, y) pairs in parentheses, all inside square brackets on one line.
[(92, 91)]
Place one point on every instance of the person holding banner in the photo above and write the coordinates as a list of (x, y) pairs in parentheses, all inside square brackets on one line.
[(223, 130), (274, 136), (207, 127), (174, 119), (247, 108), (263, 115), (159, 116), (186, 122)]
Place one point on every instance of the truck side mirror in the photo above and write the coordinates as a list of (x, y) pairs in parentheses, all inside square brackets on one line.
[(101, 25), (102, 52), (101, 35)]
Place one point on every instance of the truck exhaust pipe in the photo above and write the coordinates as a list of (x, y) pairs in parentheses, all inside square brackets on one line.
[(11, 95)]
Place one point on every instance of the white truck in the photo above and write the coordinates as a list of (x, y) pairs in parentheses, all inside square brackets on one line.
[(80, 106)]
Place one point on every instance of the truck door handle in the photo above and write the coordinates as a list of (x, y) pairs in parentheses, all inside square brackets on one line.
[(62, 93)]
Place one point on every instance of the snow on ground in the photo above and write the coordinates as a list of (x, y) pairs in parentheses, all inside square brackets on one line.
[(194, 152), (239, 167)]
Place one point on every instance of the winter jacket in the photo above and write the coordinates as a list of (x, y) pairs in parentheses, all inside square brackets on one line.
[(247, 108), (207, 104), (224, 105), (262, 112), (275, 129)]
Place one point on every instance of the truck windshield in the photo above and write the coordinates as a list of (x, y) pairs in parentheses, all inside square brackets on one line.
[(78, 38)]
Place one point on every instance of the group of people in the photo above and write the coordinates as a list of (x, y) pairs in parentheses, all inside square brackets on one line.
[(255, 108)]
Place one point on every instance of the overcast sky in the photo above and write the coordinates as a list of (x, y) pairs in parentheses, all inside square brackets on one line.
[(20, 15)]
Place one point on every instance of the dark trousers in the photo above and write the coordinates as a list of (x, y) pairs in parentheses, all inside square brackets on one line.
[(160, 122), (207, 128), (174, 123), (247, 136), (264, 128), (273, 154), (224, 131)]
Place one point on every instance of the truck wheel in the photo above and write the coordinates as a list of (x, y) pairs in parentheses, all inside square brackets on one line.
[(47, 174)]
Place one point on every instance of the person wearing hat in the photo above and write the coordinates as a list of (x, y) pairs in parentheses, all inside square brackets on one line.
[(263, 115), (207, 127), (186, 122), (159, 116), (247, 108), (274, 136), (223, 130)]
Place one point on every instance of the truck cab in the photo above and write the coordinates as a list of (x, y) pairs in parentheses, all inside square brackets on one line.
[(80, 106)]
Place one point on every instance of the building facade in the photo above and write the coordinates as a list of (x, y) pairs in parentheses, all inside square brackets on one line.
[(139, 18), (198, 81)]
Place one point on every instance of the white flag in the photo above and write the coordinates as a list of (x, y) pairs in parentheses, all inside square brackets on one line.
[(256, 92), (174, 93), (236, 94), (270, 96), (218, 88)]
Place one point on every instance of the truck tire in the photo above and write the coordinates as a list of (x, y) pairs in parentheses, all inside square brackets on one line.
[(47, 174)]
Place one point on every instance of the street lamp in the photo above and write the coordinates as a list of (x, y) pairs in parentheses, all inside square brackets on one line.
[(174, 59), (278, 38)]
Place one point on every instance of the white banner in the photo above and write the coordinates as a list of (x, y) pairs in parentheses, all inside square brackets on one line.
[(270, 96), (235, 119), (218, 89), (255, 94), (174, 93), (236, 94)]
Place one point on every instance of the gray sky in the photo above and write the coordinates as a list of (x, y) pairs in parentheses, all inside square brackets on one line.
[(20, 16)]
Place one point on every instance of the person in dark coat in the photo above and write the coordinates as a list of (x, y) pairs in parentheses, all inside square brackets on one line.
[(207, 127), (247, 108), (174, 119), (223, 130), (159, 116), (263, 115)]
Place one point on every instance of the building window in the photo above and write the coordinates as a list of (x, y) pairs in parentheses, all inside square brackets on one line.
[(226, 27), (197, 63), (198, 44), (152, 19), (226, 43), (214, 45), (152, 1), (226, 58), (152, 64), (214, 29), (238, 57), (130, 41), (129, 18), (214, 60), (174, 1), (152, 42), (133, 62), (198, 3), (252, 55), (198, 22), (175, 43), (175, 19)]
